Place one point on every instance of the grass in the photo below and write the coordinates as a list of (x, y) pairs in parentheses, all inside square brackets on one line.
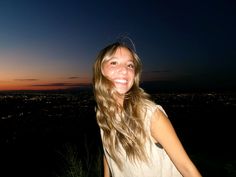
[(89, 164)]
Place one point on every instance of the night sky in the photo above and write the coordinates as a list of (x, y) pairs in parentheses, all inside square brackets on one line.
[(53, 44)]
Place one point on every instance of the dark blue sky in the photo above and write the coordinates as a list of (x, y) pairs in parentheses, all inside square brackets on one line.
[(181, 43)]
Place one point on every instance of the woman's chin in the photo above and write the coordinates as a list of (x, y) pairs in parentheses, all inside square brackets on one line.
[(121, 91)]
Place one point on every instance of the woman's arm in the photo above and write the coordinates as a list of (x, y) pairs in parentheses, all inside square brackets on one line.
[(163, 132), (106, 168)]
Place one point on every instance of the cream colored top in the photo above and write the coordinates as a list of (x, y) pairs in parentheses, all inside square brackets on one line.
[(160, 164)]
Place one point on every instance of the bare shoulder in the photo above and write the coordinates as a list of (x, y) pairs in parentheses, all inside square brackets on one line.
[(159, 113), (161, 126)]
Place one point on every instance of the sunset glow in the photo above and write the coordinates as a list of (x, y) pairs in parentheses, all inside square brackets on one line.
[(48, 45)]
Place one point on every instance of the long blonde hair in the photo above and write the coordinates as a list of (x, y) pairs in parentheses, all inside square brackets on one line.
[(121, 124)]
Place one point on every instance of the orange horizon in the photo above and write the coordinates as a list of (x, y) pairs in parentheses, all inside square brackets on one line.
[(18, 87), (31, 88)]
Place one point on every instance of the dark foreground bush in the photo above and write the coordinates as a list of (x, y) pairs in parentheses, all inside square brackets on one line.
[(88, 164)]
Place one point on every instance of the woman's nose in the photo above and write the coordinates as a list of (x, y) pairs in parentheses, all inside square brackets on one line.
[(122, 69)]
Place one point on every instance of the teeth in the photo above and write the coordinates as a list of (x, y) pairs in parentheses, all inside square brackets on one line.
[(122, 81)]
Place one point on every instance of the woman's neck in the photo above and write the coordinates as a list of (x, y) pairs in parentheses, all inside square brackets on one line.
[(120, 99)]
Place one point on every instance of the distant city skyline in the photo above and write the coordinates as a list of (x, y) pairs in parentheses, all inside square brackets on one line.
[(53, 44)]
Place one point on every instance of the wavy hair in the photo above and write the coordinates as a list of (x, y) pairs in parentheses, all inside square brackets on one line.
[(121, 125)]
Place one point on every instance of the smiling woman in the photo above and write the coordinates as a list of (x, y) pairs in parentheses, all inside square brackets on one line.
[(119, 69), (137, 136)]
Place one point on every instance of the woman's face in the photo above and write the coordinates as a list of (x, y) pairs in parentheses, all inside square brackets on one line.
[(119, 69)]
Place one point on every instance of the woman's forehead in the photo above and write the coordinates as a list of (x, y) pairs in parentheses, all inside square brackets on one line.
[(119, 52)]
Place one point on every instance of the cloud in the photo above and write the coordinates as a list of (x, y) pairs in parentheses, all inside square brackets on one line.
[(74, 77), (28, 80), (61, 84)]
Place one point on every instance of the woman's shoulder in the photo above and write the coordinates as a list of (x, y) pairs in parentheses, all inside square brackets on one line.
[(153, 107)]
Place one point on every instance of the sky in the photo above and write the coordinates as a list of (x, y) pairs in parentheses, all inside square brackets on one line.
[(53, 44)]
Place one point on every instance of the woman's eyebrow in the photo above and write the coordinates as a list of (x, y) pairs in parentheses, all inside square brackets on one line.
[(111, 58), (114, 58), (108, 59)]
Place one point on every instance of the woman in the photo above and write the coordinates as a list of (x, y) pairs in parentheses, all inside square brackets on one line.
[(137, 136)]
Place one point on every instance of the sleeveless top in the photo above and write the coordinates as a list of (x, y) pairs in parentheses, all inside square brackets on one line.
[(159, 164)]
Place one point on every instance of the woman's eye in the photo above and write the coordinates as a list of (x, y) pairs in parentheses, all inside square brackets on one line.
[(131, 66), (113, 62)]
